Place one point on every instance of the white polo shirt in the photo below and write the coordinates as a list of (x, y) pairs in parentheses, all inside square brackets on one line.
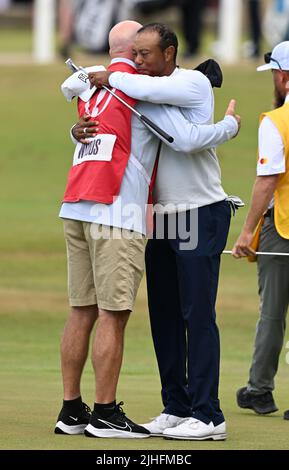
[(271, 152), (189, 178)]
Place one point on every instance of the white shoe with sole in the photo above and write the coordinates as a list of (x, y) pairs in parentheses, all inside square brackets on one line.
[(157, 426), (196, 430)]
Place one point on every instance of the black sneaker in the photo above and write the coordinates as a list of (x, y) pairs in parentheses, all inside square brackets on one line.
[(116, 425), (261, 404), (286, 415), (73, 423)]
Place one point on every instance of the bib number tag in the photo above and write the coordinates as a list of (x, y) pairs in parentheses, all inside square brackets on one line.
[(99, 148)]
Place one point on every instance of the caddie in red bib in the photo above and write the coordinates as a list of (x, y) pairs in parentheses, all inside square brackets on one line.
[(98, 167)]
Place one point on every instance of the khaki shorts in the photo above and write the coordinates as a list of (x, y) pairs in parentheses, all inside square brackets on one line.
[(103, 270)]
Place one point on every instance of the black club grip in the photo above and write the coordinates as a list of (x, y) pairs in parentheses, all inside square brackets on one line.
[(166, 136)]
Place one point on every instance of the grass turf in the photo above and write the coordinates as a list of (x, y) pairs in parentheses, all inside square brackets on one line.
[(35, 157)]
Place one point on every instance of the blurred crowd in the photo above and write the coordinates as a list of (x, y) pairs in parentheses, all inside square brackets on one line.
[(86, 22), (75, 21)]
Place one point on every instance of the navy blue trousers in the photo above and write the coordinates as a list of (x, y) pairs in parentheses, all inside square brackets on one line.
[(182, 288)]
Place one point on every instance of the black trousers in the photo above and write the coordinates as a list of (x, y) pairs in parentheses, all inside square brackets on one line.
[(192, 23), (255, 24), (182, 288)]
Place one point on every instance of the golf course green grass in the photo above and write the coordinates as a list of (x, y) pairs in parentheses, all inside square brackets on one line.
[(35, 157)]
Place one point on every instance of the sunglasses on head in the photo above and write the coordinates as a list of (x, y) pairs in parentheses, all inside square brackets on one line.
[(268, 58)]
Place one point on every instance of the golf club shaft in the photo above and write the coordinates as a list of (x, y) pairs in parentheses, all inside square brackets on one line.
[(263, 253), (140, 116)]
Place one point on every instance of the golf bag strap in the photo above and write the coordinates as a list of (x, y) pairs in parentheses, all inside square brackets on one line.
[(149, 210), (154, 174)]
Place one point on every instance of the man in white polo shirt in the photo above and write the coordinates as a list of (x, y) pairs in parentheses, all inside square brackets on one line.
[(270, 197), (182, 279)]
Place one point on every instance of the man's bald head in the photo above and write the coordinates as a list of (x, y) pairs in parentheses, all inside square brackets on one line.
[(121, 39)]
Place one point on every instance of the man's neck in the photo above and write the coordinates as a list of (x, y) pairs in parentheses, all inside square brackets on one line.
[(172, 68), (169, 70), (114, 60)]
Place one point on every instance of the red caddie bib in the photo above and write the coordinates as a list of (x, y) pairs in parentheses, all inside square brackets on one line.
[(98, 167)]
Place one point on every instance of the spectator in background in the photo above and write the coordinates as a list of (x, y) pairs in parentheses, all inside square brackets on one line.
[(192, 22), (191, 18), (87, 23), (4, 5), (66, 25), (270, 212), (255, 27)]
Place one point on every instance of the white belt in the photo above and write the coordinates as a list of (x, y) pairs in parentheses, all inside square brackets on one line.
[(141, 168)]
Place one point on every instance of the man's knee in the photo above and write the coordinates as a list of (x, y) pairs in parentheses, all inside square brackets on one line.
[(117, 319), (86, 315)]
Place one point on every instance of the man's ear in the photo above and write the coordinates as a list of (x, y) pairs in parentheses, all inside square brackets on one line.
[(285, 79), (169, 53)]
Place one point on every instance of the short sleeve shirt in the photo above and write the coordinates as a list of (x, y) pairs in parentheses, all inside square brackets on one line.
[(271, 152)]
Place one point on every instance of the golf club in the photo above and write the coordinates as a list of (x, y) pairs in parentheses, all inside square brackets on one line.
[(263, 253), (140, 116)]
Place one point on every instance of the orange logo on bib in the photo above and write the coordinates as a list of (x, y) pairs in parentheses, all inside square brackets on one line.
[(263, 161)]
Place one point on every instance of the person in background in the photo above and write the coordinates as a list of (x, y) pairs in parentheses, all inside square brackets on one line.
[(254, 14), (269, 206), (66, 19), (5, 5), (192, 24)]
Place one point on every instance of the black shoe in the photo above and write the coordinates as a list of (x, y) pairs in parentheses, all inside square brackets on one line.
[(73, 423), (261, 404), (116, 425), (286, 415)]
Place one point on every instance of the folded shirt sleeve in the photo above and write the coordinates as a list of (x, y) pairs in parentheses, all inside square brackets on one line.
[(185, 88), (189, 137)]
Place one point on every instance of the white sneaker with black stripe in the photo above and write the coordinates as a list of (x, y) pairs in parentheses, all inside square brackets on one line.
[(116, 426)]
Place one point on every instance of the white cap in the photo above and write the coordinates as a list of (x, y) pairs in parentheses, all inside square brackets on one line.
[(79, 85), (280, 54)]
